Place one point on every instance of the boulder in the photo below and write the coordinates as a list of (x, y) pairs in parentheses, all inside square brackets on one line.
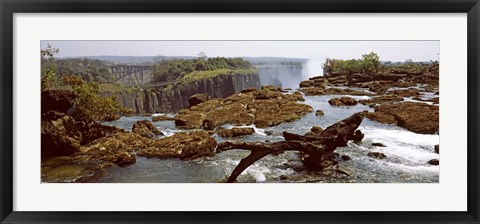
[(378, 144), (197, 99), (146, 129), (235, 132), (342, 101), (319, 113), (377, 155), (434, 162)]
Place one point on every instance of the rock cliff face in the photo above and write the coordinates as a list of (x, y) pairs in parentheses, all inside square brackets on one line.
[(174, 98)]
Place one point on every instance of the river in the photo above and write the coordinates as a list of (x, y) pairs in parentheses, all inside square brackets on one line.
[(407, 154)]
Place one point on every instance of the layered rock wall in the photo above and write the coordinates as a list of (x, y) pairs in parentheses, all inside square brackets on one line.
[(175, 97)]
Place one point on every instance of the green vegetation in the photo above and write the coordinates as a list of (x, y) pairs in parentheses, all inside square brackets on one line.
[(48, 68), (369, 64), (88, 69), (178, 69), (197, 75), (90, 104)]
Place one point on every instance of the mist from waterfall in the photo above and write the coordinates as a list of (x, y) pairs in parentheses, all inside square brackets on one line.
[(313, 67)]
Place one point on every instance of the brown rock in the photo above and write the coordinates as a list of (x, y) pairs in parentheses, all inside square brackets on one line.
[(181, 145), (377, 155), (381, 99), (162, 118), (417, 117), (190, 120), (342, 101), (197, 99), (319, 113), (381, 117), (270, 88), (234, 132), (378, 144), (434, 162), (146, 129), (248, 90), (437, 149)]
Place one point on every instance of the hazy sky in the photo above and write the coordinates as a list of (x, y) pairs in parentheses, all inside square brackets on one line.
[(317, 50)]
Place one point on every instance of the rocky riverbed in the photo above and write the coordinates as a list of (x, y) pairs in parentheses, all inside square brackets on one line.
[(400, 128)]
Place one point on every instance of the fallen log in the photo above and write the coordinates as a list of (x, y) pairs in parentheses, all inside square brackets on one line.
[(316, 149)]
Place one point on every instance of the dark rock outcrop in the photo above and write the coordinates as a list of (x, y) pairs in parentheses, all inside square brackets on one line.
[(377, 155), (235, 132), (434, 162), (181, 145), (197, 99), (343, 101), (319, 113), (146, 129), (417, 117)]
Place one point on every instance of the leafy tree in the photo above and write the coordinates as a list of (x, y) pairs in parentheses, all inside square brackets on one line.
[(370, 63), (48, 67), (89, 104)]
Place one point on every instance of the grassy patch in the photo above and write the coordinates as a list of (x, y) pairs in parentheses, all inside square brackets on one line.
[(197, 75)]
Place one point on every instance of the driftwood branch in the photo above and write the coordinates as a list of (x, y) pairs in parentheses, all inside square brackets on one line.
[(317, 149)]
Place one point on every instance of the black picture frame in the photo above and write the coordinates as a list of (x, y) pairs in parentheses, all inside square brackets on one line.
[(9, 7)]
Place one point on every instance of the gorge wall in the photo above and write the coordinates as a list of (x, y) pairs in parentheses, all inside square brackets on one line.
[(174, 98)]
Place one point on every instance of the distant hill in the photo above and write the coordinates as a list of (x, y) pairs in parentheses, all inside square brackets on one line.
[(137, 60)]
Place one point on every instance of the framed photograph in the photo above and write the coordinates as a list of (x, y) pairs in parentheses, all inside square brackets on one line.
[(242, 112)]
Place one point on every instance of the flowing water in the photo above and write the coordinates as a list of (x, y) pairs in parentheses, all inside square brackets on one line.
[(407, 154)]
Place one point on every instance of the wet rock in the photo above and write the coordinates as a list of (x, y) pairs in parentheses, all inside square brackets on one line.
[(378, 88), (190, 120), (262, 108), (197, 99), (268, 132), (296, 96), (437, 149), (417, 117), (275, 112), (162, 118), (270, 88), (358, 136), (434, 162), (377, 155), (342, 101), (248, 90), (378, 144), (306, 83), (146, 129), (316, 91), (181, 145), (381, 99), (382, 117), (345, 158), (235, 114), (234, 132), (404, 92), (319, 113)]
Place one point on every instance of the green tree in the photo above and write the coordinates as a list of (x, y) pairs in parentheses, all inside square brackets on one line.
[(370, 63), (48, 67), (92, 106)]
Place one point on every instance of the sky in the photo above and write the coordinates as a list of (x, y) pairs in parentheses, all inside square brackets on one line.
[(313, 50)]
